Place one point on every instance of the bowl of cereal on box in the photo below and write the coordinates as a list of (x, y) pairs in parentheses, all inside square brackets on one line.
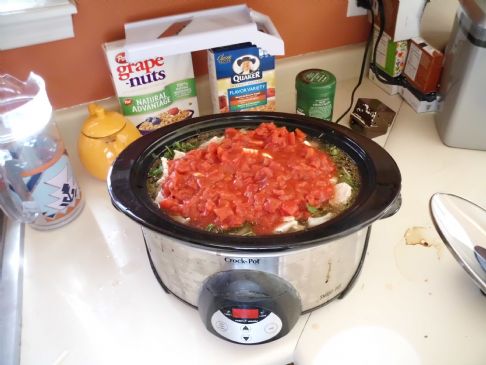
[(165, 118)]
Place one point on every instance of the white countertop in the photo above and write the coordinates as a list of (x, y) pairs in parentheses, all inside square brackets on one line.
[(90, 296), (411, 304)]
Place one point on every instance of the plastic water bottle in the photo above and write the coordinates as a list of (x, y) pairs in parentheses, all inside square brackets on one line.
[(37, 184)]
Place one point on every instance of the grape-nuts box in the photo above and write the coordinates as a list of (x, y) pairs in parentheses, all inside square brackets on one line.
[(153, 92), (242, 78)]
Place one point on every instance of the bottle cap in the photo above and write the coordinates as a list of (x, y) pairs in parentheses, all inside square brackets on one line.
[(24, 107), (315, 82)]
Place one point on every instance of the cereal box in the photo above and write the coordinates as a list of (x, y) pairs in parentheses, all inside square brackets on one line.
[(390, 55), (424, 66), (242, 78), (153, 92)]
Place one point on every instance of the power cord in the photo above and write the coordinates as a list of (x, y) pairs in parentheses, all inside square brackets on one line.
[(379, 74), (374, 68), (363, 64)]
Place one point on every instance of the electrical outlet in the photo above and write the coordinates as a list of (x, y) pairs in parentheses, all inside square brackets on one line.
[(354, 9)]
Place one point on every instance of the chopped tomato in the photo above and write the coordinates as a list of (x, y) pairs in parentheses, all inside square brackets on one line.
[(290, 208), (258, 176), (291, 138), (299, 134), (223, 213), (271, 205)]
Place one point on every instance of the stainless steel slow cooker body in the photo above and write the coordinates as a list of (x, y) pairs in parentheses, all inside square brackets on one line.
[(319, 272), (310, 267)]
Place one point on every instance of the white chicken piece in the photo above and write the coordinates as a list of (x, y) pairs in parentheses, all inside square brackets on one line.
[(165, 170), (315, 221), (160, 196), (289, 223), (267, 155), (165, 173), (250, 150), (178, 154), (181, 219), (342, 194), (214, 139)]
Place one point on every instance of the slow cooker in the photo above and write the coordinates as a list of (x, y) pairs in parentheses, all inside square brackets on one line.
[(252, 289)]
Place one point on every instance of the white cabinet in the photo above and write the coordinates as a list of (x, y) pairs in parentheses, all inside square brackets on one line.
[(28, 22)]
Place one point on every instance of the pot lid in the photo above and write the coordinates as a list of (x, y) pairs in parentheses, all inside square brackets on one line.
[(102, 123), (462, 226)]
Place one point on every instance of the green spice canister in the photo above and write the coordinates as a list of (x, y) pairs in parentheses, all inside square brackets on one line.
[(315, 93)]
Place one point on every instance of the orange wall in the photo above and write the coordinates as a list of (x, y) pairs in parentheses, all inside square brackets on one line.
[(75, 69)]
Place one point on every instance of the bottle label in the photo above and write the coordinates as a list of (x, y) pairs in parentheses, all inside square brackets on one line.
[(54, 189), (318, 108)]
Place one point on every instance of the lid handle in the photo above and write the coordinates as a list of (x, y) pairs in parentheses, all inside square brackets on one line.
[(96, 110)]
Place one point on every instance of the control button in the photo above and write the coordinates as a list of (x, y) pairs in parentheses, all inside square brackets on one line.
[(271, 327), (246, 338), (220, 325), (245, 329)]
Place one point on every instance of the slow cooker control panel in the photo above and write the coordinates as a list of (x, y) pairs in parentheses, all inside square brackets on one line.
[(248, 306), (246, 325)]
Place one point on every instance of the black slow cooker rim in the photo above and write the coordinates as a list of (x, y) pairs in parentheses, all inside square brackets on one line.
[(380, 185)]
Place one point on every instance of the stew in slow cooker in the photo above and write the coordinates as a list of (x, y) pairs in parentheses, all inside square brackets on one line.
[(251, 182)]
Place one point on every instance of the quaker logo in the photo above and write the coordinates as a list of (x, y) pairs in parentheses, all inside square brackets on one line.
[(223, 59), (246, 68)]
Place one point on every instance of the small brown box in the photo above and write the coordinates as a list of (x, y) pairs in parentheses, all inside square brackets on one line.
[(371, 117), (423, 66)]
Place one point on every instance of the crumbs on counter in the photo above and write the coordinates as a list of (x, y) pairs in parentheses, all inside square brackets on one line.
[(425, 237), (416, 236)]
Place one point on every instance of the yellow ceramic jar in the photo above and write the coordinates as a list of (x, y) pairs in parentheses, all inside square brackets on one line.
[(103, 136)]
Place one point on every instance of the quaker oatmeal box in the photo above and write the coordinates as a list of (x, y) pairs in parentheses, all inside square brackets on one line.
[(153, 92), (242, 78)]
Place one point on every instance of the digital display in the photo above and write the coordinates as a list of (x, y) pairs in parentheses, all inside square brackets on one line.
[(244, 313)]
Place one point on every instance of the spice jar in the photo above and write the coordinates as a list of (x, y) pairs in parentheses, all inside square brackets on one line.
[(315, 93)]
